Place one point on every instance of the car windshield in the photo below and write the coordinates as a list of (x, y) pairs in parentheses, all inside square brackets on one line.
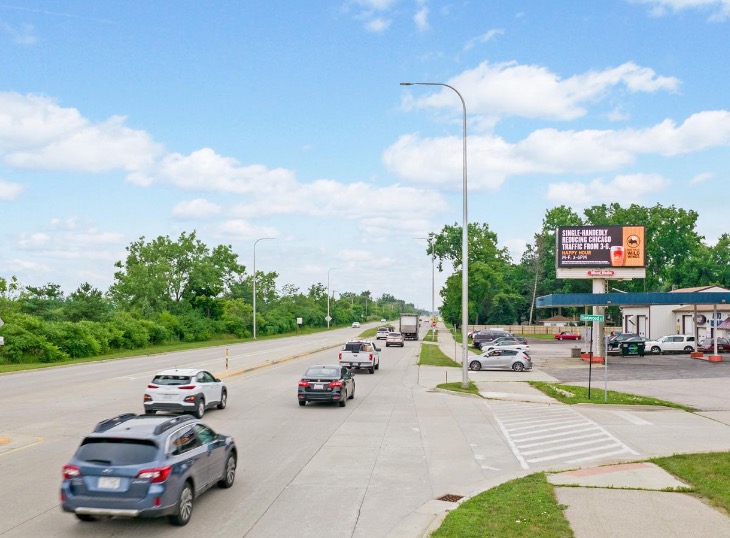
[(111, 451), (395, 335), (321, 371), (171, 380)]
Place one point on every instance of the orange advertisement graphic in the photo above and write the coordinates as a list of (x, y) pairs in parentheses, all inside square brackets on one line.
[(633, 247)]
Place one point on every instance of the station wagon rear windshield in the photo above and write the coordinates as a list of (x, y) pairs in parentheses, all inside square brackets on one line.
[(171, 380), (114, 451)]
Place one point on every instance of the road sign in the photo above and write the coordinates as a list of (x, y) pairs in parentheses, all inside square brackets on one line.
[(328, 318), (591, 317)]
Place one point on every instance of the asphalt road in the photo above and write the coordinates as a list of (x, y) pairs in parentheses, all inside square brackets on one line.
[(321, 470)]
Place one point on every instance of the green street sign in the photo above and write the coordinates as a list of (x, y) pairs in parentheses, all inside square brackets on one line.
[(591, 317)]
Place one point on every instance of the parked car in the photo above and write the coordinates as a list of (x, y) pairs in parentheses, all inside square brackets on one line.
[(144, 466), (563, 335), (382, 320), (614, 341), (326, 383), (382, 333), (185, 390), (355, 325), (672, 343), (395, 339), (502, 359), (707, 345), (487, 335), (505, 344), (508, 339)]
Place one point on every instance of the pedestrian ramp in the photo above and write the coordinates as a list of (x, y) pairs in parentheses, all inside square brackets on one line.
[(547, 435)]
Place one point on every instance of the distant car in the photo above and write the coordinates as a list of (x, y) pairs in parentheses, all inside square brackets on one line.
[(505, 344), (615, 341), (394, 339), (185, 390), (506, 339), (487, 335), (355, 325), (502, 359), (382, 333), (672, 343), (707, 345), (326, 383), (566, 336), (383, 320), (145, 466)]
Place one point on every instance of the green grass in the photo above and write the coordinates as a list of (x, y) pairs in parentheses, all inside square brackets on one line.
[(707, 474), (431, 337), (432, 355), (525, 507), (571, 394), (456, 387)]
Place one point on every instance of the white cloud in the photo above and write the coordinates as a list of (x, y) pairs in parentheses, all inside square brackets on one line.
[(630, 188), (421, 19), (719, 9), (488, 36), (10, 191), (511, 89), (35, 132), (701, 178), (199, 208), (242, 229), (377, 24), (22, 36)]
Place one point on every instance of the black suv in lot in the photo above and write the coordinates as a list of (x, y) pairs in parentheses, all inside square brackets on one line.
[(146, 466), (487, 335), (615, 341)]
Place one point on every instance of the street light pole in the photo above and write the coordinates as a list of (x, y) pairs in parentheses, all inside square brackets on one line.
[(433, 284), (328, 296), (464, 244), (254, 282)]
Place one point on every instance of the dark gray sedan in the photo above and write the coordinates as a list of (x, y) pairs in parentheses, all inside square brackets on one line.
[(502, 359), (326, 383)]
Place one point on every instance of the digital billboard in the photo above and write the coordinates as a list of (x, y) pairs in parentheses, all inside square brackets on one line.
[(600, 247)]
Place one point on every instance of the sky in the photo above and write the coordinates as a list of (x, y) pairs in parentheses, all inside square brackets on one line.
[(245, 119)]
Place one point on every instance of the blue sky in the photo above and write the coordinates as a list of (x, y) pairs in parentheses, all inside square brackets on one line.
[(281, 118)]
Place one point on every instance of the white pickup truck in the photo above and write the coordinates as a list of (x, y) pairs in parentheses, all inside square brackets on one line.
[(360, 354)]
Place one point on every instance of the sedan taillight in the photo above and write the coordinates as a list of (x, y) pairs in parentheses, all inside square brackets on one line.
[(304, 383), (334, 384)]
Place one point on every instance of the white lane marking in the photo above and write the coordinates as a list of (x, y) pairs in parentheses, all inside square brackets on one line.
[(633, 419), (511, 444)]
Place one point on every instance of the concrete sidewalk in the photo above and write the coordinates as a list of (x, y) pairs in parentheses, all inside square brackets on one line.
[(622, 500)]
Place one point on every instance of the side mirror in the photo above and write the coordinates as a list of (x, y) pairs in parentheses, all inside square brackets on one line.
[(377, 349)]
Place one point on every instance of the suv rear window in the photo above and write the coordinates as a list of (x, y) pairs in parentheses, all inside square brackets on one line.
[(171, 380), (111, 451)]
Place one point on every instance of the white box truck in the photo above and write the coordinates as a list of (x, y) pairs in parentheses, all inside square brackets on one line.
[(409, 326)]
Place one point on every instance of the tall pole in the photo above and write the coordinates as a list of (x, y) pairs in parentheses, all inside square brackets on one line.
[(433, 282), (254, 282), (464, 245), (328, 296)]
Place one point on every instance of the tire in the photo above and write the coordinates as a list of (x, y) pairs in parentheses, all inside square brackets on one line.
[(148, 412), (688, 349), (377, 366), (229, 472), (302, 403), (224, 399), (560, 338), (184, 506), (343, 401), (86, 518), (200, 408), (352, 396), (475, 365), (371, 370), (656, 350), (518, 367)]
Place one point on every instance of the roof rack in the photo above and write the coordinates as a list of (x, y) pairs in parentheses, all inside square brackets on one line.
[(164, 426), (109, 423)]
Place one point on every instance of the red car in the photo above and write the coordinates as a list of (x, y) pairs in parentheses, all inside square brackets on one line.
[(708, 345), (566, 336)]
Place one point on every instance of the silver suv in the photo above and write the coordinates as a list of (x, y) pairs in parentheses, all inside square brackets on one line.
[(144, 466)]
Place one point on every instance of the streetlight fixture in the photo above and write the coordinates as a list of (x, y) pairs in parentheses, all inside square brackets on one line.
[(328, 318), (254, 282), (464, 244)]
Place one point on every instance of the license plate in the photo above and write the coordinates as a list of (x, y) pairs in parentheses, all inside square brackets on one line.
[(108, 482), (318, 386)]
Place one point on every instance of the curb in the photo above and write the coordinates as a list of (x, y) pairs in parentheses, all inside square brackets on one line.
[(261, 365)]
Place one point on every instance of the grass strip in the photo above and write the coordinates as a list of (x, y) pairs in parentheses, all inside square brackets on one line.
[(524, 507), (431, 336), (456, 387), (433, 356), (571, 394), (708, 474)]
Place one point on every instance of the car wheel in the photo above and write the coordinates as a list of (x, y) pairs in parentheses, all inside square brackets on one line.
[(86, 517), (229, 472), (302, 403), (475, 365), (518, 367), (184, 506), (149, 411), (656, 350), (352, 396), (560, 337), (343, 401), (224, 399), (371, 370), (377, 366), (200, 408), (688, 349)]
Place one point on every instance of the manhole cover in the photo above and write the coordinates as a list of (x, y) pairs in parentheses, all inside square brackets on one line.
[(450, 498)]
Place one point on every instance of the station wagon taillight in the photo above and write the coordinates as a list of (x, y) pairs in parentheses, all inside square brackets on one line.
[(156, 475), (71, 471)]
